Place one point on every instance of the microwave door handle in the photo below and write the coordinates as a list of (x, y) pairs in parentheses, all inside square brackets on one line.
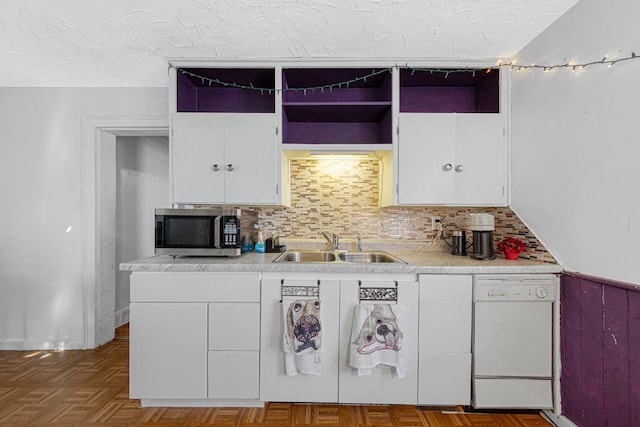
[(216, 232), (159, 234)]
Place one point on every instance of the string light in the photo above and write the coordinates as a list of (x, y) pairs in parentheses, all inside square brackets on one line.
[(571, 65), (209, 81)]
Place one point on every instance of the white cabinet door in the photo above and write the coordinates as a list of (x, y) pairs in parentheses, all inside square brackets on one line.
[(382, 386), (168, 350), (197, 147), (445, 339), (275, 385), (224, 158), (251, 152), (426, 147), (445, 313), (445, 379), (481, 163), (456, 159), (234, 374)]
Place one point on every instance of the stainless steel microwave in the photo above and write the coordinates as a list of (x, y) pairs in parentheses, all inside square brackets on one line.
[(198, 232)]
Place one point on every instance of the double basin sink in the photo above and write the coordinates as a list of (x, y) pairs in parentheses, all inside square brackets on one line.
[(320, 256)]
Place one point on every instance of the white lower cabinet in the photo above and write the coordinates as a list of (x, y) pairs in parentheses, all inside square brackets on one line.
[(168, 350), (338, 382), (445, 340), (218, 337), (383, 385), (194, 336), (275, 385)]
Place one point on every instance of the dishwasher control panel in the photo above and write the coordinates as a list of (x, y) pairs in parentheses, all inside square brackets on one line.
[(515, 287)]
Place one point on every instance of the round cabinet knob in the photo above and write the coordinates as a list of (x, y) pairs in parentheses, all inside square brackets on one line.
[(541, 293), (447, 167), (230, 167), (459, 168), (215, 167)]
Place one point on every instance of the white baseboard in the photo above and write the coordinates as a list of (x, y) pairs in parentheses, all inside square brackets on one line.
[(28, 345), (558, 421), (204, 403), (121, 316)]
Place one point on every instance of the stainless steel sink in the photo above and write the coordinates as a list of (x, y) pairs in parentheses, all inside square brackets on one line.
[(307, 256), (319, 256), (366, 257)]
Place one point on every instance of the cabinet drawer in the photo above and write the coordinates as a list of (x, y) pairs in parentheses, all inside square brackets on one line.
[(234, 375), (234, 326), (445, 379), (187, 287)]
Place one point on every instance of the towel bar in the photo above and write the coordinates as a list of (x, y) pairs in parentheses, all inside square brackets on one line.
[(299, 291), (378, 294)]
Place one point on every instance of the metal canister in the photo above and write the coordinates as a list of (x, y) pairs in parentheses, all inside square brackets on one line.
[(459, 243)]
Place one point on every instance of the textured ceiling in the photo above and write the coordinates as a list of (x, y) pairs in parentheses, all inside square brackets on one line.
[(127, 42)]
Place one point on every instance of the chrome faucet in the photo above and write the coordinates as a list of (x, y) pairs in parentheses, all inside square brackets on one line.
[(332, 239)]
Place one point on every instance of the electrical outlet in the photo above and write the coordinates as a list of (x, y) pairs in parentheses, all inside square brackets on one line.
[(435, 220)]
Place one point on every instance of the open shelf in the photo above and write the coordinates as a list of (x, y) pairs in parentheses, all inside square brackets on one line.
[(357, 113), (457, 92), (198, 91)]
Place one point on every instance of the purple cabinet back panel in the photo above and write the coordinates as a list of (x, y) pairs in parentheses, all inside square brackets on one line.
[(337, 95), (335, 133), (600, 330), (200, 97), (438, 100)]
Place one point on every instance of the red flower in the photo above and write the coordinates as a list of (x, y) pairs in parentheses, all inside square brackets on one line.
[(511, 244)]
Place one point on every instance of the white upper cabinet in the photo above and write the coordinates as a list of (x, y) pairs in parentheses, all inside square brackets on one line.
[(452, 146), (442, 134), (452, 159), (224, 145), (224, 158)]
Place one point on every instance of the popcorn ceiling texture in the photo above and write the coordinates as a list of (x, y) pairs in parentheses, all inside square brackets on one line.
[(341, 196), (127, 43)]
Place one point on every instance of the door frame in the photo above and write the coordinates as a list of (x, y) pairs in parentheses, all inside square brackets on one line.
[(98, 249)]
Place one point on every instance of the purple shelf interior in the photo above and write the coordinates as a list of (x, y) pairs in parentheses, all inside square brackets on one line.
[(195, 94), (336, 113), (374, 88), (357, 114), (334, 128), (425, 92)]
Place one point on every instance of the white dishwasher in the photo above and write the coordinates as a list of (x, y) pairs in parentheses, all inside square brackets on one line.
[(513, 340)]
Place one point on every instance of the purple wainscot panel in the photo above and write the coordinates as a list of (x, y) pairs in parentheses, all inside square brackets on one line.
[(600, 332)]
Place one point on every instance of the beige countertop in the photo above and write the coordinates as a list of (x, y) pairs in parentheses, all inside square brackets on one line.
[(428, 262)]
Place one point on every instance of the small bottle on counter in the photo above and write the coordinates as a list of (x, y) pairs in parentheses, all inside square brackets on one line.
[(260, 246), (247, 244)]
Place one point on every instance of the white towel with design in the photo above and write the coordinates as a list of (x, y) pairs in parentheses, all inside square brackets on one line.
[(302, 335), (376, 338)]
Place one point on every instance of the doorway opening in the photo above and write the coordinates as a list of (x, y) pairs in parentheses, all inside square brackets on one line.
[(100, 214)]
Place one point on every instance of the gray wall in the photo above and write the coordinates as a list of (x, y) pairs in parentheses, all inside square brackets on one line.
[(41, 250), (575, 142)]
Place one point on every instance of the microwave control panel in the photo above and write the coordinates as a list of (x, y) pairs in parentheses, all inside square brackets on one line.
[(230, 232)]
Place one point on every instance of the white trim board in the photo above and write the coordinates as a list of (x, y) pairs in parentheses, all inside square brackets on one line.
[(99, 320)]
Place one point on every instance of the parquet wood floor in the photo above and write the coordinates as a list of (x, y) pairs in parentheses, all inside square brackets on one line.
[(90, 388)]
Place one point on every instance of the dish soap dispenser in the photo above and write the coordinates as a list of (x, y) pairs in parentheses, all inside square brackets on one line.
[(260, 246)]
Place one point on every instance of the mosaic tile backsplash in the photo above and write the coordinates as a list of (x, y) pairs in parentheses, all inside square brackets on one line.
[(341, 196)]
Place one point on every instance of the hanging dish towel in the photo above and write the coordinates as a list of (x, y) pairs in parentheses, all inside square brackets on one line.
[(377, 338), (302, 335)]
